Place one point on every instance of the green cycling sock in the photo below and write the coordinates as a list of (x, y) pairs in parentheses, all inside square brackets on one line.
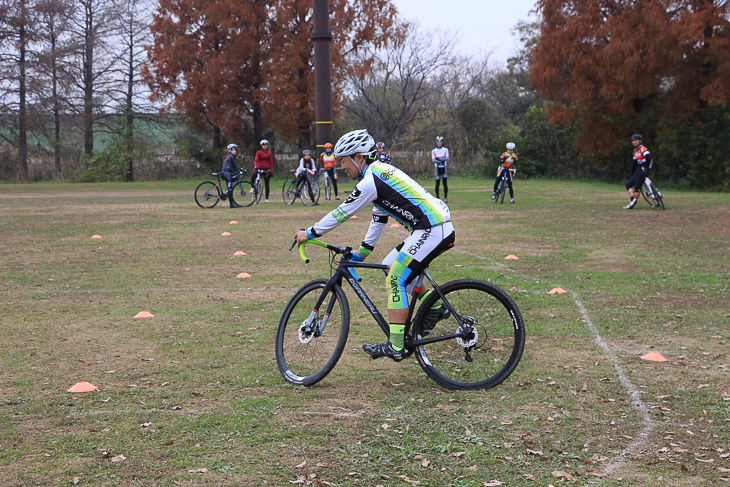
[(397, 331)]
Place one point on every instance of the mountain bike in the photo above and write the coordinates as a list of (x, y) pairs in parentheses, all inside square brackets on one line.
[(502, 187), (293, 189), (651, 194), (476, 343), (209, 193)]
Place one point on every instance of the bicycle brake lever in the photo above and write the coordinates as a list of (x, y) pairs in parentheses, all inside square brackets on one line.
[(295, 242)]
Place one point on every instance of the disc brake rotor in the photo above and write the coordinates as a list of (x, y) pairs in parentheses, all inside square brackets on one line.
[(468, 342), (306, 334)]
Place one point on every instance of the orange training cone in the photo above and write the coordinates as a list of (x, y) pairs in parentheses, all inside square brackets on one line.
[(226, 234), (233, 222), (511, 257), (353, 216), (557, 290), (655, 357), (96, 236), (144, 314), (394, 225), (83, 387), (240, 252), (243, 275)]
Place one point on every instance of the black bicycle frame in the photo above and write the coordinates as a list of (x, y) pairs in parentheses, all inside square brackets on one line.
[(341, 272)]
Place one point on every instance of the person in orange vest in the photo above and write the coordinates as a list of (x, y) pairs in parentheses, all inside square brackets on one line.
[(327, 163)]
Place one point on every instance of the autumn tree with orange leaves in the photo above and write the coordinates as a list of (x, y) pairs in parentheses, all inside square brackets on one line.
[(659, 67), (243, 69)]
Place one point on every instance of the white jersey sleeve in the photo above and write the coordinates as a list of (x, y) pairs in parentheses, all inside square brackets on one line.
[(363, 194)]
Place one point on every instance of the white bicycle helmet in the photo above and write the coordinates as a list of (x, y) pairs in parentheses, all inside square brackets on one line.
[(355, 142), (510, 145), (439, 139), (264, 141), (230, 147)]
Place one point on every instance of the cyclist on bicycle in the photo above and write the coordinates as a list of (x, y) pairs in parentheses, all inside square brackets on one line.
[(508, 160), (327, 163), (306, 168), (393, 193), (641, 165), (440, 157), (382, 155), (230, 171), (263, 163)]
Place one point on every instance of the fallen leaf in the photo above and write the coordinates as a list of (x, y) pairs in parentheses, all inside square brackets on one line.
[(425, 463), (118, 458), (145, 425), (458, 454), (385, 426), (492, 483), (198, 470), (559, 474), (75, 480), (302, 465), (406, 479), (596, 473)]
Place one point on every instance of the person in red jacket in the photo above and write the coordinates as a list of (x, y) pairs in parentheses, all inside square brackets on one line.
[(263, 163)]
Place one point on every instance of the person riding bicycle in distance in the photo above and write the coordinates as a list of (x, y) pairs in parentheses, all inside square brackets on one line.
[(642, 163), (508, 160), (230, 171), (328, 163), (306, 168), (393, 194)]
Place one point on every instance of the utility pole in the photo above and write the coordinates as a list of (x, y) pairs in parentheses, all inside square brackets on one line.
[(322, 37)]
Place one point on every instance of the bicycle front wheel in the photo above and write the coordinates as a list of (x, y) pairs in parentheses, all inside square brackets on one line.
[(492, 342), (289, 191), (646, 190), (307, 350), (244, 193), (327, 189), (308, 200), (502, 191), (258, 187), (207, 194)]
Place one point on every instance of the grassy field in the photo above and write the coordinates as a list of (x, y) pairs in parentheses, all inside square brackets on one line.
[(193, 396)]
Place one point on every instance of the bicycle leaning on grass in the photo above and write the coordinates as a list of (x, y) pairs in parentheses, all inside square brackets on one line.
[(209, 193), (651, 194), (474, 340)]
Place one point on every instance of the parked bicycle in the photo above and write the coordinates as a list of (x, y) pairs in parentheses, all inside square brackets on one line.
[(476, 345), (502, 187), (322, 180), (209, 193), (258, 185), (294, 188), (651, 194)]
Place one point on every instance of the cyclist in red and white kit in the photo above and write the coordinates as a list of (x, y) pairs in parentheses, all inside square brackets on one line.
[(642, 163)]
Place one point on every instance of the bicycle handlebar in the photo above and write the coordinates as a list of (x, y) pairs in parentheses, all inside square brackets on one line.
[(346, 252)]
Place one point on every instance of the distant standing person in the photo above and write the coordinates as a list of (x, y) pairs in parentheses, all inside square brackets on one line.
[(229, 171), (382, 155), (440, 157), (640, 167), (508, 160), (327, 163), (263, 163)]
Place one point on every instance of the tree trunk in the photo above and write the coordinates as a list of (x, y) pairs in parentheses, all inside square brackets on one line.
[(22, 114)]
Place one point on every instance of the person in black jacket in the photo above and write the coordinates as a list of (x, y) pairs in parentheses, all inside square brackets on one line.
[(230, 172)]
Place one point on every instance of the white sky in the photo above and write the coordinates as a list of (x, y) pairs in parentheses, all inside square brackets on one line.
[(482, 25)]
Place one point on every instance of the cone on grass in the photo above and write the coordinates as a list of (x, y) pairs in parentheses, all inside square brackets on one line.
[(240, 252), (394, 225), (83, 386), (654, 357), (557, 290), (243, 275), (511, 257), (233, 222), (226, 234), (96, 236), (144, 314)]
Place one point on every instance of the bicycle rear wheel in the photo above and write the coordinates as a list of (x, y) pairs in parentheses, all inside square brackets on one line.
[(491, 349), (306, 353), (646, 190), (207, 194), (244, 194), (327, 189), (288, 191)]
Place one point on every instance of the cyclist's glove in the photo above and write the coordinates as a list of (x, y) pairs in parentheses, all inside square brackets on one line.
[(364, 252)]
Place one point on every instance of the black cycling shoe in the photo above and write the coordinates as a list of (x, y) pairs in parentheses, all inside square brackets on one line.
[(383, 350), (432, 317), (235, 205)]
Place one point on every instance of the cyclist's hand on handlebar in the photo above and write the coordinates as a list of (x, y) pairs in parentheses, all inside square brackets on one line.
[(356, 256), (300, 237)]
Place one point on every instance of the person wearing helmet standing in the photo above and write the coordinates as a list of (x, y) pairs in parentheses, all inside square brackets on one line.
[(508, 160), (382, 155), (641, 165), (230, 171), (263, 163), (393, 194), (327, 163), (306, 169), (440, 157)]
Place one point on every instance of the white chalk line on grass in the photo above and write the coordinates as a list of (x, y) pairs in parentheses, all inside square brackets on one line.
[(617, 461)]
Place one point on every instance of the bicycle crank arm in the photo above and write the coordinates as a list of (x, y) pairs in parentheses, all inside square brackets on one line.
[(425, 341)]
